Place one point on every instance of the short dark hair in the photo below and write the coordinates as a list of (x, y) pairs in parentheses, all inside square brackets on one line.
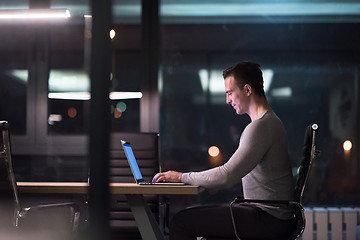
[(247, 73)]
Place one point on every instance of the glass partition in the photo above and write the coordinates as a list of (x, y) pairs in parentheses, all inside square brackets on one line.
[(14, 77), (308, 51), (69, 83)]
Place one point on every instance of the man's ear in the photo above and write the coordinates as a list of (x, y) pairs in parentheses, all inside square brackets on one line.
[(248, 89)]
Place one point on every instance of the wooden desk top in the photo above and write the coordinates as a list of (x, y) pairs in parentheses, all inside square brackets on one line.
[(115, 188)]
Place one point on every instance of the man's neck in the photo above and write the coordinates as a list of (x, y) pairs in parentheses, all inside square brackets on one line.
[(257, 106)]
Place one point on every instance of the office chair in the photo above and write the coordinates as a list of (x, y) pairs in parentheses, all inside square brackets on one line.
[(36, 217), (146, 149), (309, 152)]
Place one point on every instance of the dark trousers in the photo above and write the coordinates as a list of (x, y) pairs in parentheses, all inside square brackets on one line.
[(215, 221)]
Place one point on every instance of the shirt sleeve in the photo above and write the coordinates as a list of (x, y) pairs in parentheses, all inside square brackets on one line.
[(254, 143)]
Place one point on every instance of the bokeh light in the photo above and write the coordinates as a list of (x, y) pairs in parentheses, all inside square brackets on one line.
[(72, 112), (121, 106), (214, 151), (117, 113), (347, 145), (112, 33)]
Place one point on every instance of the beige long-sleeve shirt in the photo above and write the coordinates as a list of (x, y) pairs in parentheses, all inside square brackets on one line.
[(261, 162)]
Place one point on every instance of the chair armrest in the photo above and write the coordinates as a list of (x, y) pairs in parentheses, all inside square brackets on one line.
[(46, 212), (242, 200), (71, 205)]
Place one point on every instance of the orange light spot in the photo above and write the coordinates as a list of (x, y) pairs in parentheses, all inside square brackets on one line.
[(117, 113), (72, 112), (347, 145), (214, 151)]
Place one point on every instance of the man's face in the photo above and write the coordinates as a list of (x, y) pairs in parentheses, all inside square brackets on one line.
[(238, 98)]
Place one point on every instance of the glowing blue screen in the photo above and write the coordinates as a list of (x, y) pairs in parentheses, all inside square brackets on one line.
[(132, 161)]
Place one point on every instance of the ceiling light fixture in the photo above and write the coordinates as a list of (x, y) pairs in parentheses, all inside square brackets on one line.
[(34, 13), (87, 95)]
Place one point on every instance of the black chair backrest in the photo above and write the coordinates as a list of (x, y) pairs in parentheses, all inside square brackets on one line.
[(308, 154), (146, 150), (9, 200)]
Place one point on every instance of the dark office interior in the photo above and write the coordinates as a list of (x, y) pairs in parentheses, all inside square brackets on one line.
[(172, 66)]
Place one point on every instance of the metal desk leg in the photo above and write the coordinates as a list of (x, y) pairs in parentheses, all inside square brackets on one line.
[(145, 220)]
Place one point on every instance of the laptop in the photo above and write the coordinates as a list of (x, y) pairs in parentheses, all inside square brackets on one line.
[(135, 167)]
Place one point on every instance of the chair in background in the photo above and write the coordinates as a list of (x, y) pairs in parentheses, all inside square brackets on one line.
[(309, 152), (58, 217), (146, 150)]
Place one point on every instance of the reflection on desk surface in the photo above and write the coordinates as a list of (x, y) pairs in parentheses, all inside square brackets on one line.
[(115, 188)]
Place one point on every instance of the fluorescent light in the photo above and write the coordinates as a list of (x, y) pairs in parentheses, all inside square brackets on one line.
[(258, 9), (34, 13), (284, 92), (125, 95), (87, 96), (214, 81), (70, 95), (267, 77)]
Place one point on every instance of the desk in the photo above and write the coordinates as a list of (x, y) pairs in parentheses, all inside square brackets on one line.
[(145, 220)]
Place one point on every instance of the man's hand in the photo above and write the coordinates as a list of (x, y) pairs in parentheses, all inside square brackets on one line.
[(169, 176)]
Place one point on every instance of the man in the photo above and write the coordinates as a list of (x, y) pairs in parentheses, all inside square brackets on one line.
[(261, 162)]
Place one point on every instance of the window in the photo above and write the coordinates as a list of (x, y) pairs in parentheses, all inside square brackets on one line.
[(14, 77), (311, 75)]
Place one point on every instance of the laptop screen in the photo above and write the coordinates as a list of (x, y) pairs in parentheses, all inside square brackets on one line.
[(132, 161)]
